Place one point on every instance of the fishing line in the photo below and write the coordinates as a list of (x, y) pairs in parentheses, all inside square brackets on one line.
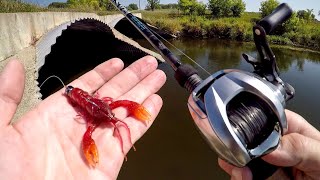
[(180, 51), (250, 118), (52, 76)]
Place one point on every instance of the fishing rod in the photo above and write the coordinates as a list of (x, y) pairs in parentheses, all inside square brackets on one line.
[(240, 114), (185, 74)]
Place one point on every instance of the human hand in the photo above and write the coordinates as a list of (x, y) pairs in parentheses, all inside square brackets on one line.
[(46, 142), (299, 149)]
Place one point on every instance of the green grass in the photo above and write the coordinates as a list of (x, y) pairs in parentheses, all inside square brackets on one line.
[(12, 6), (164, 19), (203, 26), (307, 35)]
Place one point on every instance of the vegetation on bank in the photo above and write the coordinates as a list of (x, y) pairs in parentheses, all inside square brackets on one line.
[(8, 6), (301, 30), (100, 7), (193, 19), (306, 34)]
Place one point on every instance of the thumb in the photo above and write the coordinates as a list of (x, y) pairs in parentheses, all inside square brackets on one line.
[(296, 151), (11, 89)]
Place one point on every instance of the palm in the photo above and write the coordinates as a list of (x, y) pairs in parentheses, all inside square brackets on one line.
[(46, 142)]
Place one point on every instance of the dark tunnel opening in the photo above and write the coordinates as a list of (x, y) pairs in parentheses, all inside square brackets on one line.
[(81, 47)]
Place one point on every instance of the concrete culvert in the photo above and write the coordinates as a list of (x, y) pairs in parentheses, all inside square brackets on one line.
[(81, 47)]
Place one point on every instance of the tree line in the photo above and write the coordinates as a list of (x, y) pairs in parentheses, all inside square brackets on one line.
[(217, 8), (106, 5)]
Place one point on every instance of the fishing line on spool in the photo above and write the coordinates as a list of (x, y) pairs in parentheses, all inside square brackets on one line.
[(250, 117)]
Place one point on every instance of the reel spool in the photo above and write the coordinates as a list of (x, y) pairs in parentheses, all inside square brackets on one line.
[(251, 118), (240, 114)]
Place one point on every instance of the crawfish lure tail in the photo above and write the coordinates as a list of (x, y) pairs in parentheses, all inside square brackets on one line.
[(89, 148), (134, 109)]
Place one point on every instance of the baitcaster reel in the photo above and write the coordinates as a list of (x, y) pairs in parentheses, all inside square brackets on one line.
[(241, 114)]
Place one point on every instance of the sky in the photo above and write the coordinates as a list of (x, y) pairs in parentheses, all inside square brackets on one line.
[(251, 5)]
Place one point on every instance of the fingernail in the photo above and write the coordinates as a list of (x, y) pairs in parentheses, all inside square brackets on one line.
[(236, 174)]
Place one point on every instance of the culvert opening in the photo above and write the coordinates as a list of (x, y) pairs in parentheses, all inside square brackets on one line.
[(81, 47)]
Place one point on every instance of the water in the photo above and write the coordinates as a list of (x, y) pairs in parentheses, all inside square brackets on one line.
[(173, 148)]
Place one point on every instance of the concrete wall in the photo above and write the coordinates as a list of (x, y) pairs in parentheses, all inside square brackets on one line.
[(20, 30)]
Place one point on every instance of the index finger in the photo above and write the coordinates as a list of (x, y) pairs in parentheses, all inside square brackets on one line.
[(97, 77)]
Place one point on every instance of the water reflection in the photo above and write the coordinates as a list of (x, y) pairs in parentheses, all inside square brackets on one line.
[(288, 58), (173, 148), (214, 55)]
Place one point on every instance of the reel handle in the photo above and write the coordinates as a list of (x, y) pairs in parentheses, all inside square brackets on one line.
[(282, 13), (260, 169)]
